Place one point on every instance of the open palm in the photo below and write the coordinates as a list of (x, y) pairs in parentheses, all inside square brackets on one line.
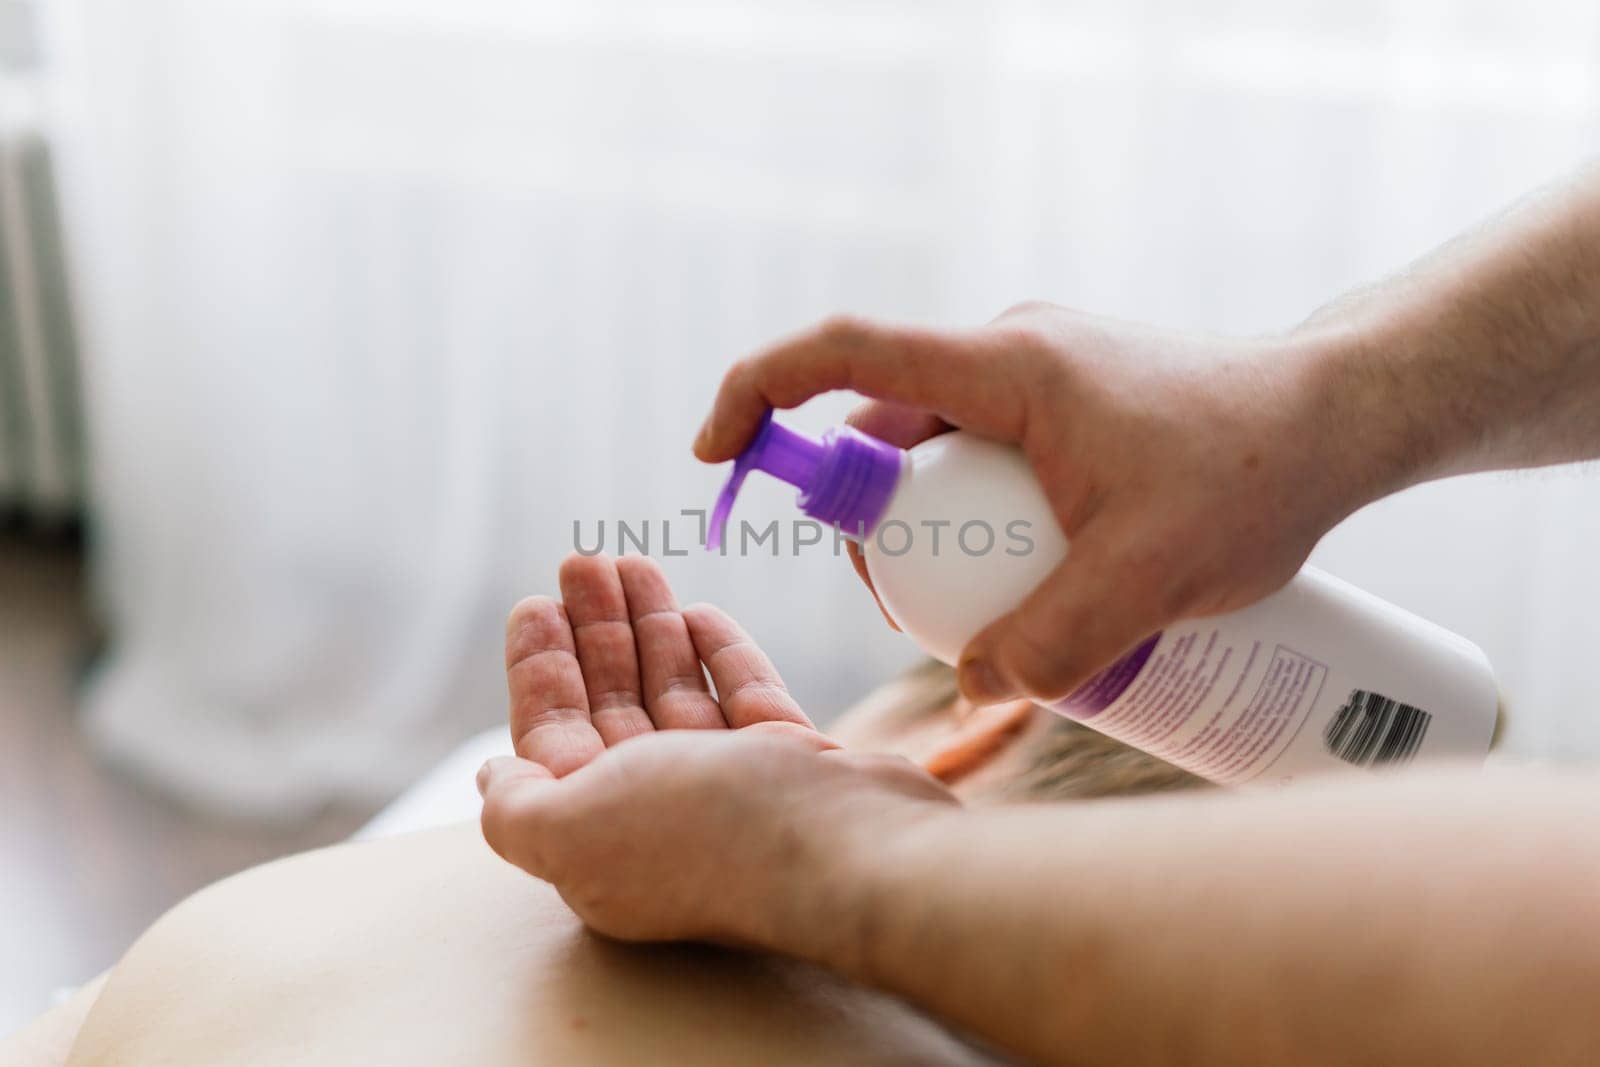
[(615, 657)]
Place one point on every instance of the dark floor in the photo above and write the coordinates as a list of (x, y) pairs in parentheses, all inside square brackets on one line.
[(87, 860)]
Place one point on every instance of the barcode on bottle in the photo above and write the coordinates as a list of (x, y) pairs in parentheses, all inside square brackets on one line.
[(1371, 730)]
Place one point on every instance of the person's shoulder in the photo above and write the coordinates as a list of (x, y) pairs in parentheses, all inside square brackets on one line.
[(241, 948), (47, 1040)]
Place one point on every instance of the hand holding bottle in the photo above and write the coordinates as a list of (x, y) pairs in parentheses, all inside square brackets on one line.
[(1192, 476)]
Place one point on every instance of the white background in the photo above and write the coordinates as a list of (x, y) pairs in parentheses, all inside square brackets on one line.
[(382, 295)]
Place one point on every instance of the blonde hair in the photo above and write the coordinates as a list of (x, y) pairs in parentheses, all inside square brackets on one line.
[(1071, 762)]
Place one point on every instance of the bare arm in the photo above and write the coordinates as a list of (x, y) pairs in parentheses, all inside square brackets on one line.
[(1486, 355), (1445, 917), (1438, 920)]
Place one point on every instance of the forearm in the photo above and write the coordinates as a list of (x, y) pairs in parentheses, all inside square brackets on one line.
[(1485, 355), (1448, 918)]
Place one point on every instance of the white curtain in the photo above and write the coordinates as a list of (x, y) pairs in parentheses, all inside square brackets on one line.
[(382, 295)]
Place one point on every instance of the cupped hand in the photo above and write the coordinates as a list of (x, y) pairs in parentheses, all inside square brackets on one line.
[(615, 658), (1191, 475), (720, 803), (758, 836)]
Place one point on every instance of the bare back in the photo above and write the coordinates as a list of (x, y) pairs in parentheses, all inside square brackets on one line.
[(427, 949)]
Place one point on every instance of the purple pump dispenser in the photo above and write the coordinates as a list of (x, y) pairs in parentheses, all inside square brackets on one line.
[(845, 479)]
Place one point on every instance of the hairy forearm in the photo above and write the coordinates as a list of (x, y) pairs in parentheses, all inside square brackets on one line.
[(1445, 918), (1485, 355)]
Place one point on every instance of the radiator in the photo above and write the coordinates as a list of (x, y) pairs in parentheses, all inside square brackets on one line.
[(41, 454)]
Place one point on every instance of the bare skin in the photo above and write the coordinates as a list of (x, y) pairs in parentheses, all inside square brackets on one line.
[(426, 949), (616, 658), (1444, 916), (47, 1040)]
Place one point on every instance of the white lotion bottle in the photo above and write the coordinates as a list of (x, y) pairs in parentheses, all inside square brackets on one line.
[(1319, 676)]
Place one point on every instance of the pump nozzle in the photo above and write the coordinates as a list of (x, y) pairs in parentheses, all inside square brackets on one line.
[(846, 478)]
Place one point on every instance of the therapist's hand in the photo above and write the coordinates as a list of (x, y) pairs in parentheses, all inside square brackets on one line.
[(615, 657), (749, 837), (1191, 475)]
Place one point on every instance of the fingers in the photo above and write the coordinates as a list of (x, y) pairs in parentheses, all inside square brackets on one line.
[(549, 706), (1090, 610), (597, 608), (748, 685), (954, 374), (675, 691)]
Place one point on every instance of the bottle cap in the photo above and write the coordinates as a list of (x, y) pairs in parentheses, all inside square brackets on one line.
[(845, 479)]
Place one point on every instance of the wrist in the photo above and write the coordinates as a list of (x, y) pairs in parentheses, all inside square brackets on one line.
[(1483, 356), (838, 899), (1367, 404)]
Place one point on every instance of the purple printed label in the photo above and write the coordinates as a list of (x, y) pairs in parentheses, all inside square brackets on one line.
[(1099, 692)]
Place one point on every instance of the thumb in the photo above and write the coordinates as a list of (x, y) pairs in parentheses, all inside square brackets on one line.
[(910, 779), (790, 733), (502, 771), (516, 802), (1090, 610)]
